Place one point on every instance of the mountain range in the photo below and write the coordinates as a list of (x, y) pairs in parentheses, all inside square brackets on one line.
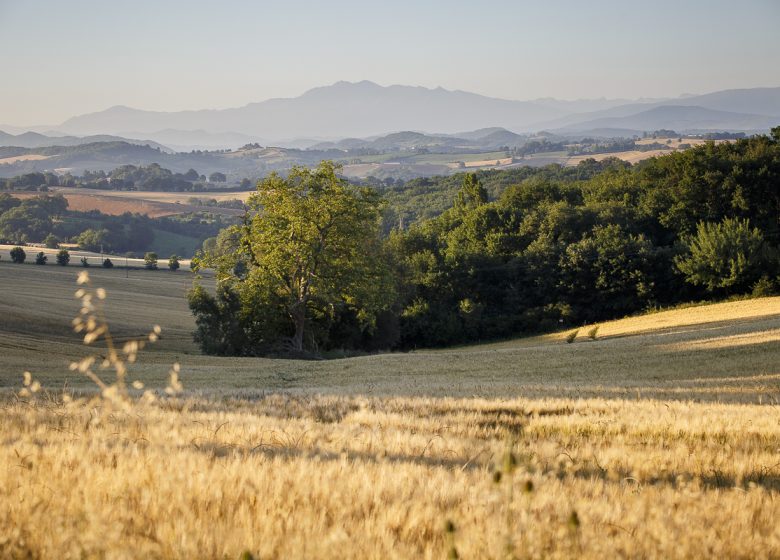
[(338, 114)]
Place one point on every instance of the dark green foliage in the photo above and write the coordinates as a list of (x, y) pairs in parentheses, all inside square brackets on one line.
[(18, 255), (173, 263), (41, 258), (107, 263), (599, 241), (84, 262), (728, 256), (63, 257), (496, 254), (218, 318)]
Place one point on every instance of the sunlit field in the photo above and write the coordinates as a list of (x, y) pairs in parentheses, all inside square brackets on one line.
[(651, 437)]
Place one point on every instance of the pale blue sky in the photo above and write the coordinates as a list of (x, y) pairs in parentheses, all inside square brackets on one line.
[(62, 58)]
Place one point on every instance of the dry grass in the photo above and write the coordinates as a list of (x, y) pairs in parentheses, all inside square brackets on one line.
[(25, 157), (488, 162), (166, 197), (658, 439)]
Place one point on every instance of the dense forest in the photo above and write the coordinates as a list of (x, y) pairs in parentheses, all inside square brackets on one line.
[(516, 252)]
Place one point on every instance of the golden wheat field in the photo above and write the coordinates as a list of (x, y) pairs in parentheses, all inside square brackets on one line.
[(657, 437)]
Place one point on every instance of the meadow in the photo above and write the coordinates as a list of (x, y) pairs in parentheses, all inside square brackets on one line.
[(655, 436)]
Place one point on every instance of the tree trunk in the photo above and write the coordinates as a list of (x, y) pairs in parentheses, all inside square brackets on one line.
[(298, 314)]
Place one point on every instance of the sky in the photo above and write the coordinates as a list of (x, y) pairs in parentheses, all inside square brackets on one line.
[(65, 58)]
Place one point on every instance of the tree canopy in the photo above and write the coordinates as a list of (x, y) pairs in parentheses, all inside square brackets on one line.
[(502, 254), (308, 263)]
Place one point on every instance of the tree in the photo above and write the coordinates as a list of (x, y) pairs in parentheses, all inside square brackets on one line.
[(472, 193), (107, 263), (51, 241), (18, 255), (312, 255), (63, 257), (723, 256), (191, 175), (150, 261), (173, 263), (41, 258), (93, 239), (217, 177)]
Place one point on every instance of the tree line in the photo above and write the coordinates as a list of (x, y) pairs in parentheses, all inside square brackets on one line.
[(311, 268), (46, 219)]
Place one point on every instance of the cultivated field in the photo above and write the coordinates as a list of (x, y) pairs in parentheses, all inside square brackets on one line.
[(93, 259), (25, 157), (152, 204), (658, 439)]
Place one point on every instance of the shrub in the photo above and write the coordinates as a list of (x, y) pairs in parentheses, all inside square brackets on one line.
[(571, 336), (63, 257), (107, 263), (150, 261), (765, 287), (723, 256), (84, 262), (18, 255), (51, 241), (173, 263), (41, 258), (592, 333)]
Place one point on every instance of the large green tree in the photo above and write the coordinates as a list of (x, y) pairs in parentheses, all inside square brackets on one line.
[(311, 253)]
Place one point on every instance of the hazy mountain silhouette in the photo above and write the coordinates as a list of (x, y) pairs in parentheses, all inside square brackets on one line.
[(679, 118), (751, 102), (365, 110), (37, 140), (341, 110)]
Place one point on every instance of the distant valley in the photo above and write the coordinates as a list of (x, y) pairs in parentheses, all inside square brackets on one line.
[(394, 131)]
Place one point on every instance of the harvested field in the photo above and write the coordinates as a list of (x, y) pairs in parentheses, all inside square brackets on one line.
[(25, 157), (116, 203)]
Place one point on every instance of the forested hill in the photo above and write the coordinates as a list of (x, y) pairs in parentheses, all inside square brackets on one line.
[(556, 249), (534, 250)]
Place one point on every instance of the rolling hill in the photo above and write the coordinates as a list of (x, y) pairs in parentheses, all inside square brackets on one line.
[(680, 118), (31, 139)]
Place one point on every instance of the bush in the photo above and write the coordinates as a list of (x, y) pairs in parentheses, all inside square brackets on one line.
[(150, 261), (173, 263), (726, 256), (63, 257), (41, 258), (84, 262), (107, 263), (765, 287), (18, 255), (51, 241)]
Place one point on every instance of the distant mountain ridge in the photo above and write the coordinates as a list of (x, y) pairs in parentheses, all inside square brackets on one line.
[(681, 118), (350, 114), (341, 110), (38, 140)]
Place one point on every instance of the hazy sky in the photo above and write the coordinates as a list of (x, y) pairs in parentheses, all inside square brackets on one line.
[(62, 58)]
